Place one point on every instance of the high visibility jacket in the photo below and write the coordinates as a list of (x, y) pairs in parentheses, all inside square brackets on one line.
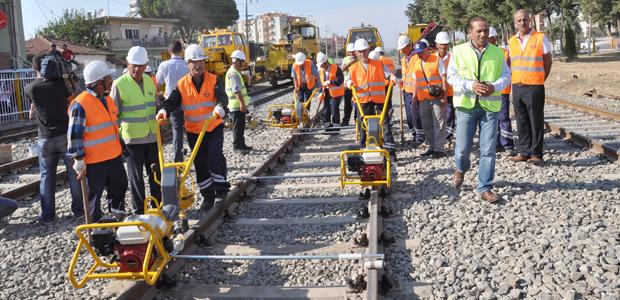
[(137, 109), (198, 105), (101, 136), (388, 62), (369, 84), (307, 73), (528, 66), (506, 91), (489, 68), (431, 69), (233, 103), (409, 74), (334, 90), (446, 62)]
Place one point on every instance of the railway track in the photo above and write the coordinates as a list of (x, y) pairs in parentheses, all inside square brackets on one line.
[(586, 126), (280, 209), (18, 132), (25, 182)]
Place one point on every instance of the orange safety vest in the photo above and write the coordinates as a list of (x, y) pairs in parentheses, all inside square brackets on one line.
[(409, 73), (446, 62), (308, 73), (101, 138), (388, 62), (369, 84), (528, 66), (506, 91), (334, 90), (431, 68), (198, 106)]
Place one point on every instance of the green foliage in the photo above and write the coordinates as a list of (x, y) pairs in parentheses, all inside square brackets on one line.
[(194, 15), (74, 26)]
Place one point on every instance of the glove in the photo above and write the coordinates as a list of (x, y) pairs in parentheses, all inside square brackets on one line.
[(219, 111), (80, 168), (161, 114), (348, 83), (393, 79), (326, 83)]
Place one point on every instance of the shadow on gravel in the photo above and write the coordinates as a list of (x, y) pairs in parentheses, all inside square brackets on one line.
[(597, 185)]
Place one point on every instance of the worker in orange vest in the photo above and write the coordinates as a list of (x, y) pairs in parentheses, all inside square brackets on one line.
[(530, 59), (505, 141), (412, 106), (94, 141), (431, 87), (347, 62), (201, 95), (368, 79), (305, 75), (332, 84), (442, 40), (389, 64)]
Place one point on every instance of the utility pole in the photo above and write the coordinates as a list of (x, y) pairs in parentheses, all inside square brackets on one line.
[(247, 18)]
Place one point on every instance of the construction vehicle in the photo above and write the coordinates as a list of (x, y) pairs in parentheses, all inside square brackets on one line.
[(370, 165), (140, 246), (416, 32), (304, 37), (369, 33), (218, 45)]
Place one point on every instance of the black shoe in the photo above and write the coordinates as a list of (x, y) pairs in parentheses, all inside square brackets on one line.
[(438, 154), (428, 152), (220, 199), (243, 148), (40, 221)]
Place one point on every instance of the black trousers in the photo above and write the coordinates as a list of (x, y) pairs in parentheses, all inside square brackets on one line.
[(450, 119), (330, 113), (348, 107), (529, 105), (210, 163), (109, 175), (176, 121), (140, 157), (238, 119)]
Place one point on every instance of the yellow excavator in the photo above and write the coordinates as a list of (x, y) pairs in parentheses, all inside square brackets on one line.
[(369, 33)]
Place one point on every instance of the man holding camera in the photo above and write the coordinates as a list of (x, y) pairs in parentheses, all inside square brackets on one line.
[(478, 73), (430, 74)]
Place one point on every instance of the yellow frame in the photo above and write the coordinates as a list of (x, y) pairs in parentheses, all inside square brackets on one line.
[(150, 275), (304, 118), (365, 118), (345, 179)]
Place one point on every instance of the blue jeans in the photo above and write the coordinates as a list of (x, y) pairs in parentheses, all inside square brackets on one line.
[(467, 121), (50, 151)]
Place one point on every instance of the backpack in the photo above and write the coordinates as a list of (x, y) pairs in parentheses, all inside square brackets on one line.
[(54, 67)]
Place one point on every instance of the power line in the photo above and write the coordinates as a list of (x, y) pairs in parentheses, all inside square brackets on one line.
[(41, 9)]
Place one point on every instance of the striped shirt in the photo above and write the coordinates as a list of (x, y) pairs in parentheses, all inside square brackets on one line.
[(77, 125)]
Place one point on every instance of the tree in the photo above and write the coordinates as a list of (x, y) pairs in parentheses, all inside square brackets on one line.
[(76, 27), (194, 15), (423, 11)]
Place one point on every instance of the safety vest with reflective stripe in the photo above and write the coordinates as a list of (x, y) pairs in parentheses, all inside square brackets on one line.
[(137, 109), (369, 84), (101, 137), (388, 62), (233, 103), (409, 74), (490, 69), (334, 90), (198, 105), (528, 66), (506, 91), (446, 62), (307, 72), (431, 69)]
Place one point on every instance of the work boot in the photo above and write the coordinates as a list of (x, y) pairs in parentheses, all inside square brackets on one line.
[(428, 152), (489, 196), (457, 179), (244, 148), (519, 158), (536, 160), (220, 199), (208, 199)]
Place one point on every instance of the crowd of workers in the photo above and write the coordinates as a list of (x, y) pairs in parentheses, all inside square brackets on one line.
[(447, 95)]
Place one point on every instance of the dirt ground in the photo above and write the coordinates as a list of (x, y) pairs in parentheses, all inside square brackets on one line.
[(599, 71)]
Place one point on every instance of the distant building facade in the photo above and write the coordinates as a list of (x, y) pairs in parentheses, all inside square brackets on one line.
[(12, 51), (266, 28)]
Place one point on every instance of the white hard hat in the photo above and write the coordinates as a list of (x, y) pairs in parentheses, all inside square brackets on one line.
[(361, 45), (300, 58), (374, 55), (379, 49), (320, 59), (442, 38), (95, 70), (238, 54), (148, 69), (403, 41), (194, 52), (492, 32), (350, 47), (137, 56)]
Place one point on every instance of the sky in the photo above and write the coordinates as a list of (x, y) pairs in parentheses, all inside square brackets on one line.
[(332, 16)]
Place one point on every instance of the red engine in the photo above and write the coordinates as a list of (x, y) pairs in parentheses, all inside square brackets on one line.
[(370, 172), (286, 120), (132, 257)]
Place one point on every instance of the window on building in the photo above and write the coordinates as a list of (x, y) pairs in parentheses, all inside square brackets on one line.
[(132, 34)]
